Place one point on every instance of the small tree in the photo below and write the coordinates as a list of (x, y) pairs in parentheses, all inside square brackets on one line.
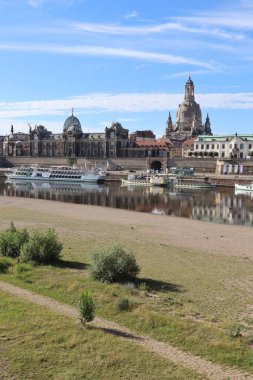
[(86, 307), (11, 241), (42, 248), (114, 264)]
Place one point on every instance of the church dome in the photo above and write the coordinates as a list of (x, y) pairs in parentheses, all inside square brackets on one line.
[(72, 123), (72, 126)]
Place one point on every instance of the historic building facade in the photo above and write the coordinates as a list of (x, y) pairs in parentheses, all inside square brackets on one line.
[(188, 118), (115, 141), (73, 142), (228, 146)]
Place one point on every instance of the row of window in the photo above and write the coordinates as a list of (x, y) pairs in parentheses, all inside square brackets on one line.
[(212, 146)]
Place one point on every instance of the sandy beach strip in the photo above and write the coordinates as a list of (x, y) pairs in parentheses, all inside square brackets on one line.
[(222, 239)]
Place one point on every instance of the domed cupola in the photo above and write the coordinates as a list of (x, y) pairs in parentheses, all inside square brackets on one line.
[(72, 126)]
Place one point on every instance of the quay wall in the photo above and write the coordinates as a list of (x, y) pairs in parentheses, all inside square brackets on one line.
[(203, 166)]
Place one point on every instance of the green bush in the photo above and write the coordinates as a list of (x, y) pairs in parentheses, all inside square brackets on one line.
[(4, 264), (235, 331), (41, 248), (86, 307), (114, 264), (123, 304), (11, 241)]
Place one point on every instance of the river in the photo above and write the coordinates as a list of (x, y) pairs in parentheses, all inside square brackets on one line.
[(218, 206)]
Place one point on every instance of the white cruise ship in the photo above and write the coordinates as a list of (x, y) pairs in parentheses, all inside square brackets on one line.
[(56, 173)]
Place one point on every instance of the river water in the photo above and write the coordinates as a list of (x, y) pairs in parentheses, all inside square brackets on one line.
[(217, 206)]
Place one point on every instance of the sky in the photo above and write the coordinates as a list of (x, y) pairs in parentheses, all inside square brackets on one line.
[(125, 61)]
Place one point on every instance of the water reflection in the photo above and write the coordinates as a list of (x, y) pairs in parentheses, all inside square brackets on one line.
[(218, 206)]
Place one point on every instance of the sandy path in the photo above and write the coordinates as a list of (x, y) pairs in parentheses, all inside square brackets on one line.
[(202, 236), (201, 366)]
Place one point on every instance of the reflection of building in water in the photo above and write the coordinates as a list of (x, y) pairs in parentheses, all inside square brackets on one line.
[(227, 208), (221, 206)]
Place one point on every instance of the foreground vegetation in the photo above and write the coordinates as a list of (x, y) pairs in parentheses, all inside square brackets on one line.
[(191, 299), (49, 346)]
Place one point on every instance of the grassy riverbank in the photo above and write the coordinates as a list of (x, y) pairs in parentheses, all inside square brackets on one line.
[(191, 298)]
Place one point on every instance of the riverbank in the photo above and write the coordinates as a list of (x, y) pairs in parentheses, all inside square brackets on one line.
[(228, 240)]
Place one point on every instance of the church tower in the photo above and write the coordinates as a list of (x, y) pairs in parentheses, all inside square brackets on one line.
[(169, 128), (207, 126), (189, 117)]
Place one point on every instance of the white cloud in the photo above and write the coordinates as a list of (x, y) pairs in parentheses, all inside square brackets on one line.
[(125, 102), (36, 3), (106, 51), (131, 15)]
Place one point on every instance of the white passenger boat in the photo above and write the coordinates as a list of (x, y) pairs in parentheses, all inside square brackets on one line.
[(146, 180), (56, 173), (136, 180), (190, 183), (245, 187)]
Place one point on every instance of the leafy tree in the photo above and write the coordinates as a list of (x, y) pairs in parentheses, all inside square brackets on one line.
[(11, 241), (86, 307), (42, 248), (114, 264)]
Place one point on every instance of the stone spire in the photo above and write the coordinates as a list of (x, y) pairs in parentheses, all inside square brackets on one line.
[(207, 126), (169, 127)]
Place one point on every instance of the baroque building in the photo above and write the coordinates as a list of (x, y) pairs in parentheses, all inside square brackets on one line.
[(188, 118), (114, 142)]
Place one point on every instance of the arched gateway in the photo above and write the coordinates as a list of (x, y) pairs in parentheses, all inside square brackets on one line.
[(156, 165)]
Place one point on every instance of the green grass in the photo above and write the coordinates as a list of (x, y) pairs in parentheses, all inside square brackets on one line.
[(198, 296), (39, 344)]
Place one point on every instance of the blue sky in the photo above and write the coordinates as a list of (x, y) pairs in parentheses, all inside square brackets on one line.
[(126, 61)]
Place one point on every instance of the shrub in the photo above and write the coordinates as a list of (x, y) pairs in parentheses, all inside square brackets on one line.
[(235, 331), (41, 248), (11, 241), (124, 304), (114, 264), (4, 265), (86, 307)]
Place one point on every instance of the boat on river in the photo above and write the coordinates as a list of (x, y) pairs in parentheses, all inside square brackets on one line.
[(179, 182), (244, 187), (56, 173), (146, 180)]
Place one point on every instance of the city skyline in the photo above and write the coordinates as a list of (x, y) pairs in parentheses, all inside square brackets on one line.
[(124, 61)]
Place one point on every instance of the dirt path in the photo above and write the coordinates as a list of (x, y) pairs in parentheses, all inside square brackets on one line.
[(201, 366)]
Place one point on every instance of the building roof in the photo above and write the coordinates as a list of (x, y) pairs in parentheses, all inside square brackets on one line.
[(162, 144), (189, 142), (207, 138)]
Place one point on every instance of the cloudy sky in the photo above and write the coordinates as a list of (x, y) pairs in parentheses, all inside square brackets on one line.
[(126, 61)]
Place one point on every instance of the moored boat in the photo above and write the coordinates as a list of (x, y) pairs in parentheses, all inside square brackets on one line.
[(134, 180), (244, 187), (56, 173), (191, 183)]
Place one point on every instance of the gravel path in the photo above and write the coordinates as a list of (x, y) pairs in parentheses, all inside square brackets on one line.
[(201, 366)]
